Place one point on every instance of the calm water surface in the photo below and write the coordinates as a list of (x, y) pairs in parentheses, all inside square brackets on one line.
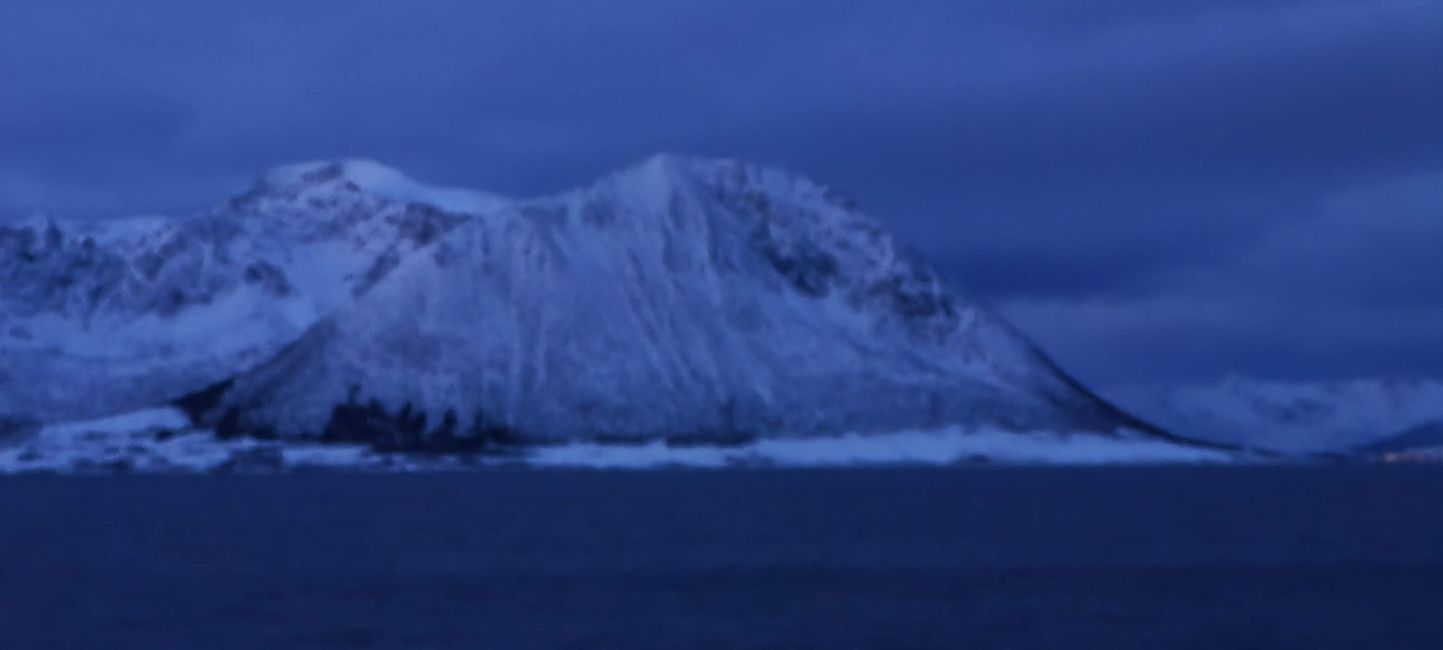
[(1207, 557)]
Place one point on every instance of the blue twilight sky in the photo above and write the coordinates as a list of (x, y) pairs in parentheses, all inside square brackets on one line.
[(1153, 190)]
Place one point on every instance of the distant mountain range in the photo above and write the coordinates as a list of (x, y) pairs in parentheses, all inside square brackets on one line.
[(685, 299), (1362, 415)]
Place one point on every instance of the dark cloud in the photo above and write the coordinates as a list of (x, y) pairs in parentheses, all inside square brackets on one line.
[(1354, 286), (1112, 162)]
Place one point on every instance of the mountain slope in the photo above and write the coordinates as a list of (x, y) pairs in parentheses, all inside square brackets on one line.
[(683, 297)]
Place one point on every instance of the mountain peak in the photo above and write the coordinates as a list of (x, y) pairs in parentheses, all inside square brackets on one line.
[(663, 172), (361, 175)]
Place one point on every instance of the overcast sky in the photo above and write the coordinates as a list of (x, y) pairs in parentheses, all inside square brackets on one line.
[(1153, 190)]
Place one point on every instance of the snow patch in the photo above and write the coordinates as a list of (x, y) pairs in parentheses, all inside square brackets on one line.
[(161, 440), (144, 421), (945, 447), (151, 439)]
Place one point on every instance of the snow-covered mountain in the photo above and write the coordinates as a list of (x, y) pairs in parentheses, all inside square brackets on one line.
[(104, 317), (1337, 416), (681, 298)]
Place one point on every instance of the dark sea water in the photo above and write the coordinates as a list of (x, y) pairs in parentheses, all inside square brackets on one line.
[(1166, 557)]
